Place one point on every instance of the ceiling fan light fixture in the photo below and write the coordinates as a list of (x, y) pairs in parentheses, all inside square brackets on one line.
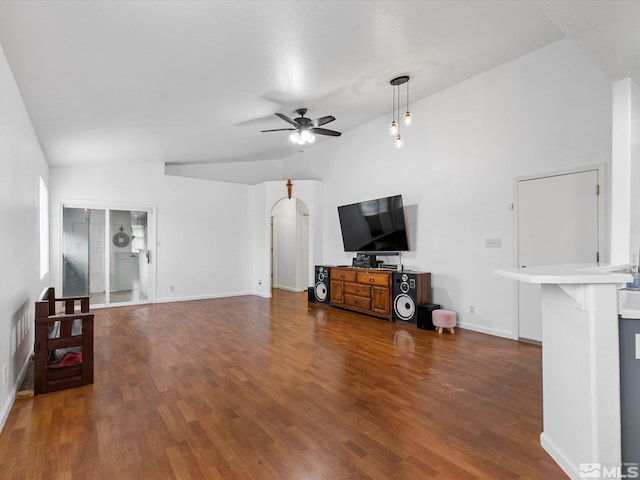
[(306, 129)]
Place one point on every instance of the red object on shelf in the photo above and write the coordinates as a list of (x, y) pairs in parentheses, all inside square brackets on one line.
[(69, 360)]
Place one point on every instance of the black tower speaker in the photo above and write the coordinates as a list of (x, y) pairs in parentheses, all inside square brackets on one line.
[(409, 290), (321, 286), (425, 312)]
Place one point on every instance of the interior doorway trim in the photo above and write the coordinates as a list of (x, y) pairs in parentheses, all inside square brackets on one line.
[(299, 270), (108, 207)]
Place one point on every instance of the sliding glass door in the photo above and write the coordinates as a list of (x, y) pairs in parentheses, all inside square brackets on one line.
[(105, 254)]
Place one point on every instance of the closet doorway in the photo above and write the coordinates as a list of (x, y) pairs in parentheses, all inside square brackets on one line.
[(290, 245), (558, 223), (106, 255)]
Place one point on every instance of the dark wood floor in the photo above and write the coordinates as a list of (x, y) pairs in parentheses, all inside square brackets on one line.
[(253, 388)]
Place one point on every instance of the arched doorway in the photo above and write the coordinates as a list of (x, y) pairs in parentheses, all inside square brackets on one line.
[(290, 245)]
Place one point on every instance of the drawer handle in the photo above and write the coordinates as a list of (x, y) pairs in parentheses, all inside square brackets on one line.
[(372, 280), (357, 302), (357, 290), (342, 277)]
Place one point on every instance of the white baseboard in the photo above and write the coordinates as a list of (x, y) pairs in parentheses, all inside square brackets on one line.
[(202, 297), (6, 408), (560, 458), (488, 331), (290, 289)]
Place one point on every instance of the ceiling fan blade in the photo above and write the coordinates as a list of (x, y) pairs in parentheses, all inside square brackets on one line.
[(287, 119), (325, 131), (322, 120), (279, 130)]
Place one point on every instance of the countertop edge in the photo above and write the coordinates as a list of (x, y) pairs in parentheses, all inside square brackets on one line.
[(566, 274)]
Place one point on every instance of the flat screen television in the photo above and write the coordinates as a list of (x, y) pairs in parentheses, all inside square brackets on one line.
[(374, 225)]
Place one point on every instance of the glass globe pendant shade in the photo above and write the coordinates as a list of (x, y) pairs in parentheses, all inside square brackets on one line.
[(307, 137), (300, 138), (295, 137)]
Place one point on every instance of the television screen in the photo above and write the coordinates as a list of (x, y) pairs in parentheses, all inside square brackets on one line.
[(374, 226)]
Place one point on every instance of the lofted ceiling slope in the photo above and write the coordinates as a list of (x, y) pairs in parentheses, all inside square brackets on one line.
[(196, 81)]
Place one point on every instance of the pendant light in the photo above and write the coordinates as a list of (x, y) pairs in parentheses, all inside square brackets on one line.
[(394, 129), (407, 115)]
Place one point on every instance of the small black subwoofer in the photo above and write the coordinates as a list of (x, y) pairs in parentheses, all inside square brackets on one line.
[(425, 319), (409, 290), (321, 287)]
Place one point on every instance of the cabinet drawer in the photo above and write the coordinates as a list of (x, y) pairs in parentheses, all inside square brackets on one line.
[(357, 289), (356, 301), (344, 275), (373, 278)]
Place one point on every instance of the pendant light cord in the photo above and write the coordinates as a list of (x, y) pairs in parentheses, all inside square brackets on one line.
[(393, 108), (398, 107)]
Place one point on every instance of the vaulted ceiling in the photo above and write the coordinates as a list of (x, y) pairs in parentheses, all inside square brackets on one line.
[(196, 81)]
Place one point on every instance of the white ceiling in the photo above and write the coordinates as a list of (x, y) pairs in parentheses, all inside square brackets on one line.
[(196, 81)]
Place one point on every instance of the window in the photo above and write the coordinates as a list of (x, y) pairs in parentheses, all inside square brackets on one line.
[(44, 229)]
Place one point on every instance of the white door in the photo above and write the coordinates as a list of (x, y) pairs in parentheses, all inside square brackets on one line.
[(557, 224)]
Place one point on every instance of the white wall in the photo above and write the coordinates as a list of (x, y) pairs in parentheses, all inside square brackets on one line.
[(203, 227), (634, 178), (547, 111), (621, 170), (625, 172), (21, 165)]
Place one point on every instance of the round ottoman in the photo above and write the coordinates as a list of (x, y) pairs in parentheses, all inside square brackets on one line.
[(444, 319)]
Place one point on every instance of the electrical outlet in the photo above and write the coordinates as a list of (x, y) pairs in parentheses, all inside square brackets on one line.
[(472, 309), (172, 288), (493, 243)]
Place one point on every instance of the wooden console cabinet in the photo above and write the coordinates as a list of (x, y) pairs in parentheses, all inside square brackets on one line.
[(362, 290)]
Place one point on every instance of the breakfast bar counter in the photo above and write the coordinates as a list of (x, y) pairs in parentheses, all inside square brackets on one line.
[(580, 363)]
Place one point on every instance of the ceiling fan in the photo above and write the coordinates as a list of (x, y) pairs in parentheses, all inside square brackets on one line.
[(305, 128)]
